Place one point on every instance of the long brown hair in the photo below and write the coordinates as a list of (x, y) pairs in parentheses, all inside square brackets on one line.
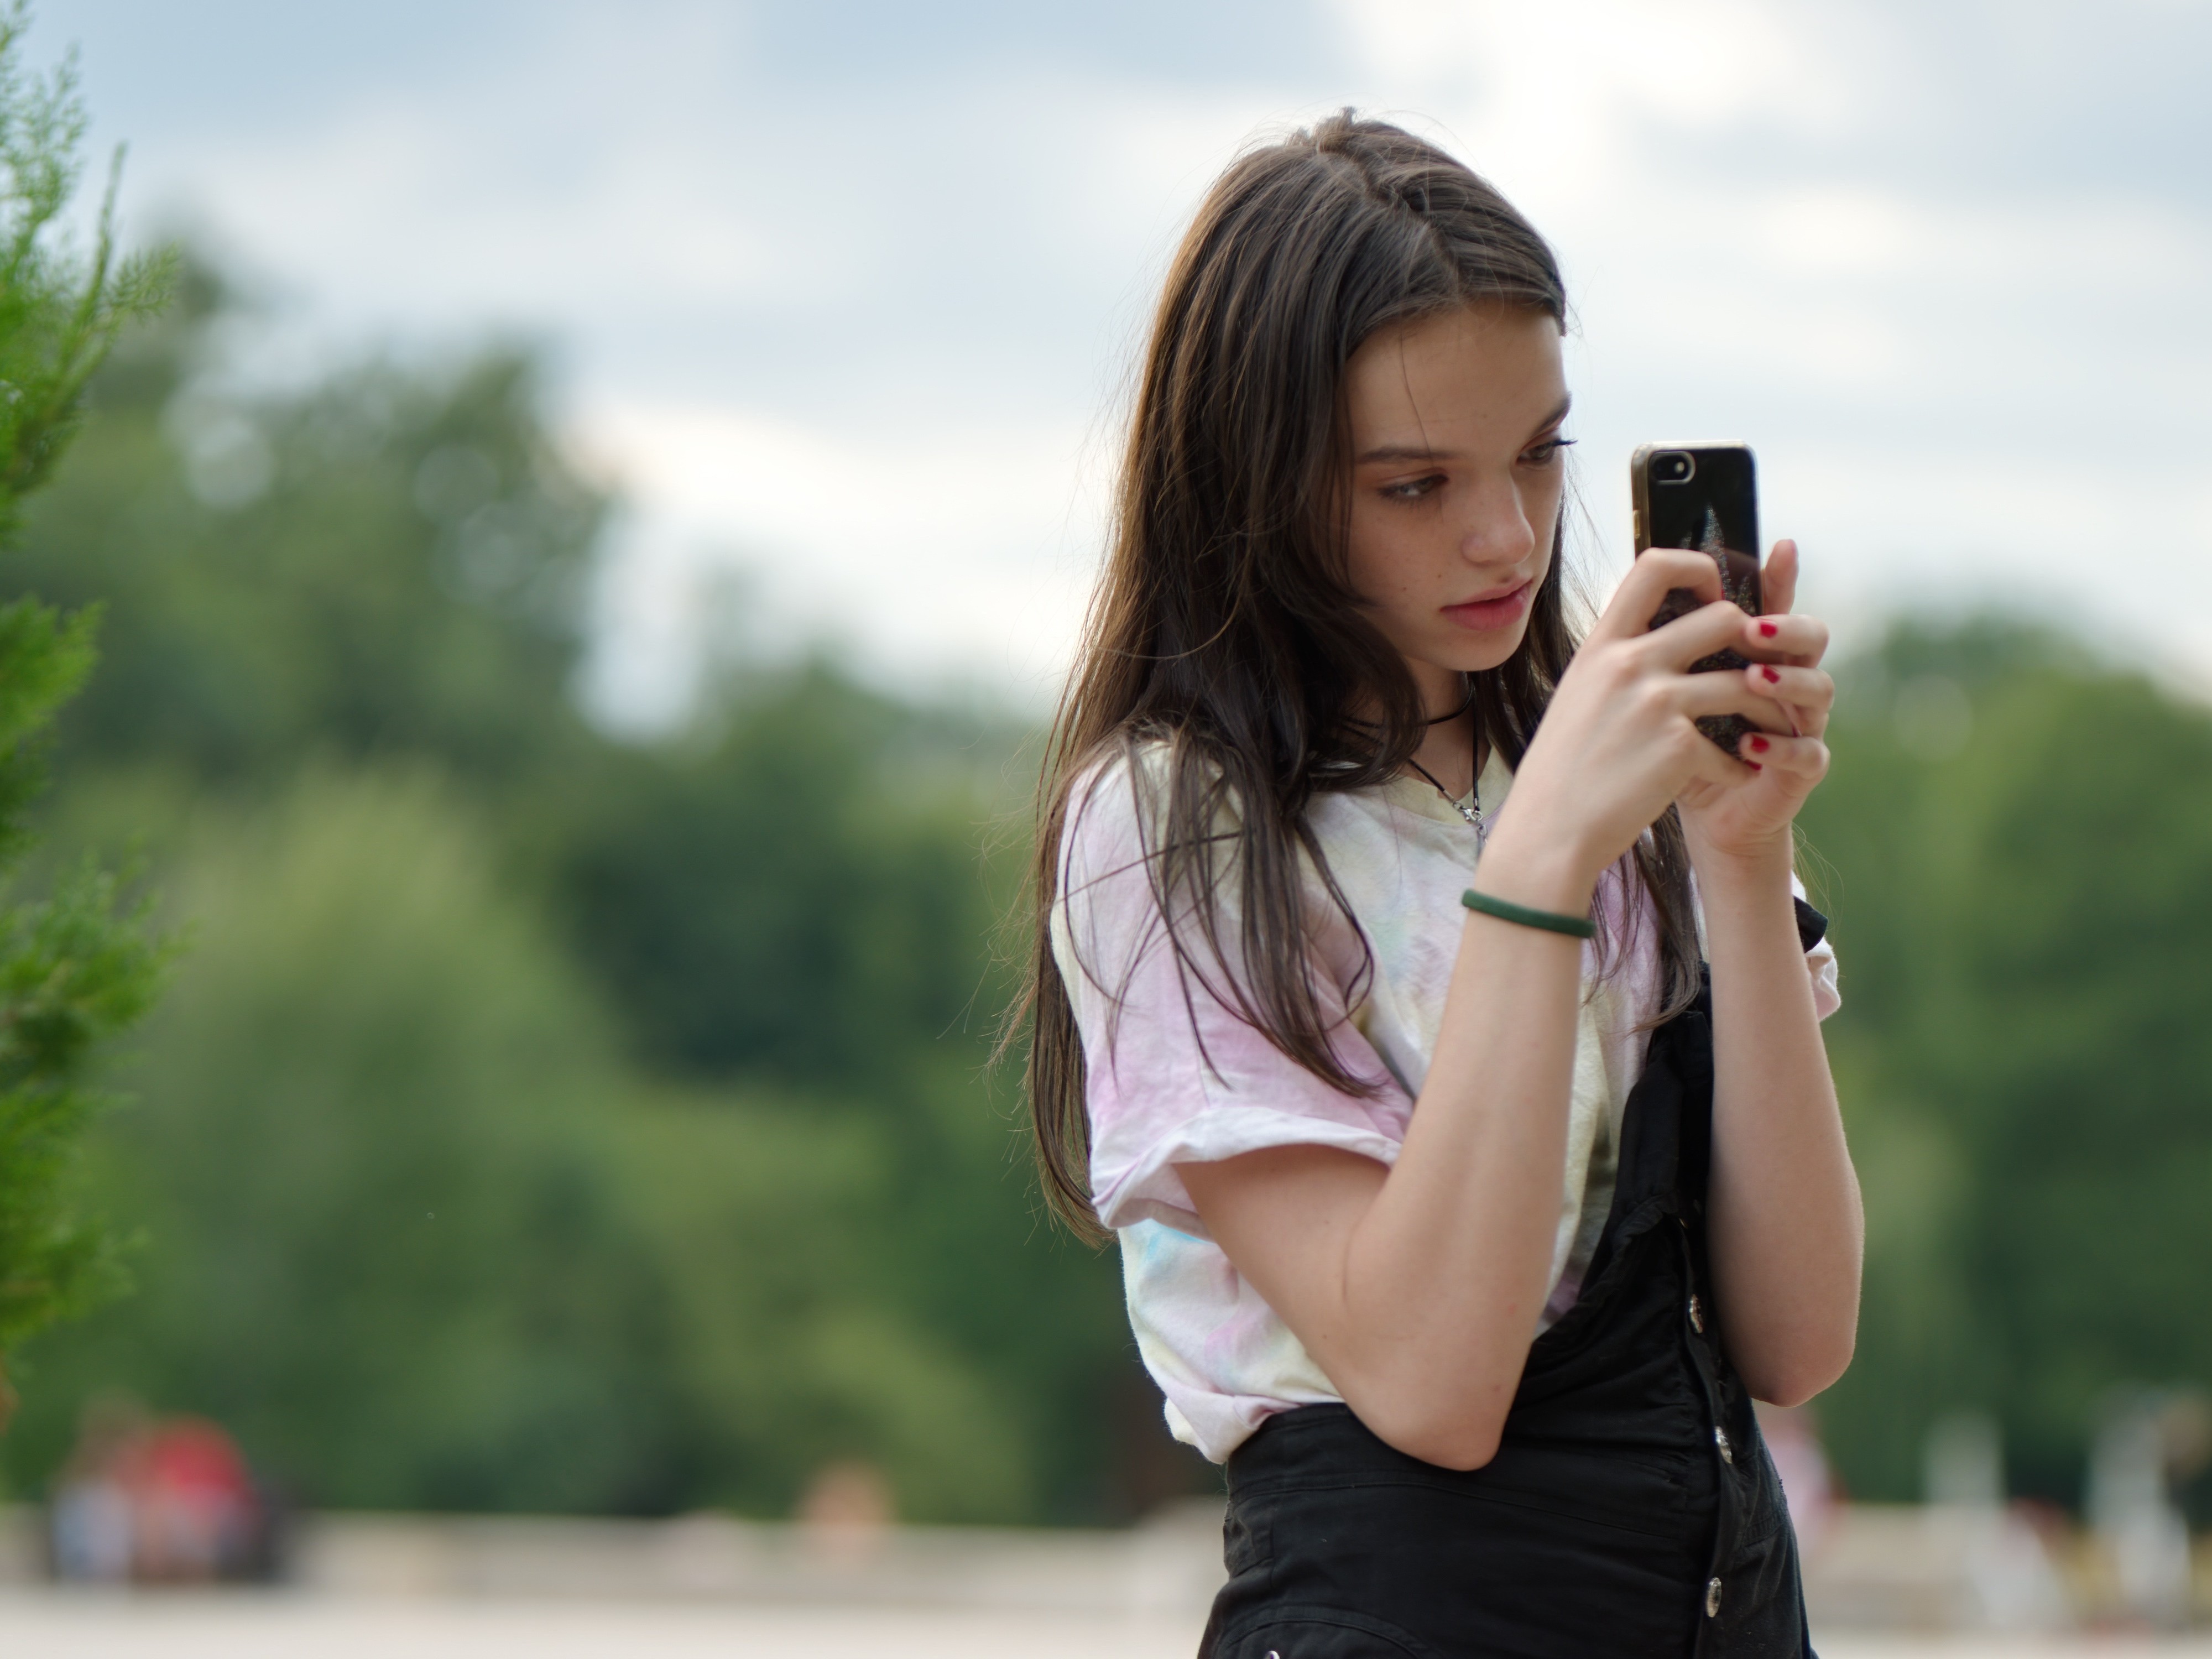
[(1225, 630)]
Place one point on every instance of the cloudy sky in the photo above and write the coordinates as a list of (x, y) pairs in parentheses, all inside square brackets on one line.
[(843, 292)]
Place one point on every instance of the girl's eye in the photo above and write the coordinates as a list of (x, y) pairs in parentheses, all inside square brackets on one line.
[(1545, 453), (1413, 489)]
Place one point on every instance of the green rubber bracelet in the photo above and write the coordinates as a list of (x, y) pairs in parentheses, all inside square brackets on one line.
[(1550, 921)]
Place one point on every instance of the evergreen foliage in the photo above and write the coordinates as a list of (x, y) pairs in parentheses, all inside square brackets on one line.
[(59, 313), (77, 966)]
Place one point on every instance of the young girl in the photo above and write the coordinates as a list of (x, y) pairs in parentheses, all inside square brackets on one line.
[(1463, 1209)]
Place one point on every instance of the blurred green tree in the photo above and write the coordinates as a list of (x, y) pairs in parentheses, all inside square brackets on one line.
[(802, 895), (76, 967), (2018, 843), (773, 926), (817, 845), (362, 1145), (390, 563), (422, 1242)]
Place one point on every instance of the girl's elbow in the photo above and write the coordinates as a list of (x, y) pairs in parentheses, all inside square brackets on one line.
[(1446, 1445), (1462, 1452), (1446, 1434), (1797, 1378), (1790, 1393)]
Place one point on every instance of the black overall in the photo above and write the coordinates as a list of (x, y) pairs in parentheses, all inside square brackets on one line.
[(1630, 1510)]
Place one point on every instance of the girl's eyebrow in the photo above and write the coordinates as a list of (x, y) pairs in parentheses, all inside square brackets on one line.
[(1425, 452), (1405, 452)]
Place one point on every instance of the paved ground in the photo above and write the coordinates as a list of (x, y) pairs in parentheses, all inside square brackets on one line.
[(278, 1626)]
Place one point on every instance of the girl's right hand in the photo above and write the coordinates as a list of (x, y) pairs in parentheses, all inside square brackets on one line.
[(1618, 742)]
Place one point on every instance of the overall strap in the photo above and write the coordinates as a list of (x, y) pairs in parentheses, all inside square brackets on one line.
[(1666, 1133)]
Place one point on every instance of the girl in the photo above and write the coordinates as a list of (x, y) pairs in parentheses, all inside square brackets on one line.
[(1464, 1242)]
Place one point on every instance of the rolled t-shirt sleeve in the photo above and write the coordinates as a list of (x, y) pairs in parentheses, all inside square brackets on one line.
[(1821, 963), (1174, 1074)]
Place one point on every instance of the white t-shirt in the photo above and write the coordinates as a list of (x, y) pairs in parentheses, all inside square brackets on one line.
[(1174, 1075)]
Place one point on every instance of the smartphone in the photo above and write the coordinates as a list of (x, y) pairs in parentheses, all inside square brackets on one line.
[(1704, 497)]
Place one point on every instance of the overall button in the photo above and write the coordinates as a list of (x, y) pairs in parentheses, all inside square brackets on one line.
[(1697, 1316), (1728, 1453), (1713, 1598)]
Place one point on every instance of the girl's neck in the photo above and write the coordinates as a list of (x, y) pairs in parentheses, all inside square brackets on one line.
[(1451, 749)]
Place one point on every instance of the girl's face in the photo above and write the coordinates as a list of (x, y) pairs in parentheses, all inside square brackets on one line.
[(1457, 466)]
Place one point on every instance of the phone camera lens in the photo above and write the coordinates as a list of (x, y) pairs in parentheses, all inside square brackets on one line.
[(1674, 467)]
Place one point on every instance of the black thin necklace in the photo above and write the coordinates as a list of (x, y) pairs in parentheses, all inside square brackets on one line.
[(1471, 808)]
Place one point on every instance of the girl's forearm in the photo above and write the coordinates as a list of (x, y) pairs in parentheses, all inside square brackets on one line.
[(1446, 1273), (1785, 1225)]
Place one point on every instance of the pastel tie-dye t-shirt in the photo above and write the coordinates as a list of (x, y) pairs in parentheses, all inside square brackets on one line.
[(1175, 1076)]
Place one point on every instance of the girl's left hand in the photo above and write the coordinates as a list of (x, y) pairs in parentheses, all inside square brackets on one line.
[(1786, 758)]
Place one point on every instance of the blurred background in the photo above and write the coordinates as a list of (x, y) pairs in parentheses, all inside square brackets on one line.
[(588, 553)]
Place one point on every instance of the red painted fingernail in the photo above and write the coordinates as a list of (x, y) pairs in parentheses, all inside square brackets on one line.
[(1759, 745), (1770, 630), (1772, 677), (1754, 766)]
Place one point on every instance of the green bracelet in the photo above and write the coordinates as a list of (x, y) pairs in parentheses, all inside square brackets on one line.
[(1550, 921)]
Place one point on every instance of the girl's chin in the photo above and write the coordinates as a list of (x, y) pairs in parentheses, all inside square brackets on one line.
[(1463, 652)]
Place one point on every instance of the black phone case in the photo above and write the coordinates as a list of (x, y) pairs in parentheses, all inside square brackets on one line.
[(1715, 511)]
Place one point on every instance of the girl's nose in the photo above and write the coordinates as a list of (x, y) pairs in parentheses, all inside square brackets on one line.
[(1496, 528)]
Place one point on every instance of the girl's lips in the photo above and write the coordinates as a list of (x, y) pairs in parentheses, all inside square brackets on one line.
[(1480, 616)]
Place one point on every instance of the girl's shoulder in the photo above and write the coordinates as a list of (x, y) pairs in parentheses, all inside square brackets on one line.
[(1105, 807), (1119, 798), (1122, 808)]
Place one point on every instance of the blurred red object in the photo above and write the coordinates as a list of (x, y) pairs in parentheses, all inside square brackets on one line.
[(195, 1502), (171, 1501)]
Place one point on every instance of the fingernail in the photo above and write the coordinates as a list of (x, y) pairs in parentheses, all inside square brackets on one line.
[(1770, 630), (1759, 745), (1772, 677), (1754, 766)]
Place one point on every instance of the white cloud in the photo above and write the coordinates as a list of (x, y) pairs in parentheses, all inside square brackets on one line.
[(930, 553)]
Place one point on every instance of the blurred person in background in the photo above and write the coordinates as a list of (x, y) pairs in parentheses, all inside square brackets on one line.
[(1461, 1217), (145, 1501), (197, 1511), (91, 1523)]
